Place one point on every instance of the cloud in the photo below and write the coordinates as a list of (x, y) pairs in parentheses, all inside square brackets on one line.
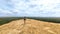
[(34, 8)]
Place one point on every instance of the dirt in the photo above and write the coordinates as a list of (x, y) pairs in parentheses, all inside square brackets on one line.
[(30, 26)]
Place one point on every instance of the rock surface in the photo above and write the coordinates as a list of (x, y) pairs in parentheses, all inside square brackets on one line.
[(30, 26)]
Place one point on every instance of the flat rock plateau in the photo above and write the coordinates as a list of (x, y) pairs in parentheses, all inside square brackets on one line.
[(30, 26)]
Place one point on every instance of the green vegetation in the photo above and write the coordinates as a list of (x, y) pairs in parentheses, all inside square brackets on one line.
[(8, 19), (49, 19)]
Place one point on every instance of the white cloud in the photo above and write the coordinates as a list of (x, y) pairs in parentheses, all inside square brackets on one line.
[(39, 8)]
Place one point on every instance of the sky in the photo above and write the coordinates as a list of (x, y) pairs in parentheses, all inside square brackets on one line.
[(30, 8)]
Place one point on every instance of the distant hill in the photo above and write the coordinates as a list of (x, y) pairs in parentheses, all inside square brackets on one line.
[(4, 20)]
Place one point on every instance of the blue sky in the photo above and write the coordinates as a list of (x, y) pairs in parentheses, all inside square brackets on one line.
[(30, 8)]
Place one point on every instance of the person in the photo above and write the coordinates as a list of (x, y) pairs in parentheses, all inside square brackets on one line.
[(24, 20)]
